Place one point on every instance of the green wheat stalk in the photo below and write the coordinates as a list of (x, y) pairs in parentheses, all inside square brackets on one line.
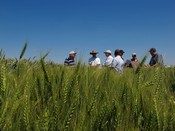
[(23, 51)]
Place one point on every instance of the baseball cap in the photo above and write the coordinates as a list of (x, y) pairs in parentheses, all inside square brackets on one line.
[(122, 51), (152, 49)]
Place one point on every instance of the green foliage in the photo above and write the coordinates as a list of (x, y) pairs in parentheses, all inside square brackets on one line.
[(23, 51), (45, 96)]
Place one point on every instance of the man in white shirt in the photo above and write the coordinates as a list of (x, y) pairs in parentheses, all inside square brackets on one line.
[(109, 59), (118, 63), (94, 61)]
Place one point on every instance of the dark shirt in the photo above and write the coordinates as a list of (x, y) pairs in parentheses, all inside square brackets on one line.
[(69, 62), (156, 59)]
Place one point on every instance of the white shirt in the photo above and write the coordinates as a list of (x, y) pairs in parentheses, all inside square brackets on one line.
[(108, 61), (94, 61), (118, 64)]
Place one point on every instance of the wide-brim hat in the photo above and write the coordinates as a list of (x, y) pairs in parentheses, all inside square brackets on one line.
[(108, 51), (93, 52)]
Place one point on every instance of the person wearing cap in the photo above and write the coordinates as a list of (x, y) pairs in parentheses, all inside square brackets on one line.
[(134, 63), (121, 54), (94, 61), (118, 63), (156, 59), (70, 61), (109, 59), (134, 57)]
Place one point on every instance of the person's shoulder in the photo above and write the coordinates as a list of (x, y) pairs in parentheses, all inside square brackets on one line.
[(118, 57), (115, 58), (67, 59), (159, 54), (97, 59), (110, 57), (91, 59)]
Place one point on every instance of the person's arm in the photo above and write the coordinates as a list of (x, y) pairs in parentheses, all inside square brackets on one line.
[(160, 60), (66, 62), (90, 62)]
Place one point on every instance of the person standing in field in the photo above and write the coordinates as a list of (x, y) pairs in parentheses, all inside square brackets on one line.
[(134, 61), (156, 59), (118, 63), (121, 54), (109, 59), (70, 61), (134, 57), (94, 61)]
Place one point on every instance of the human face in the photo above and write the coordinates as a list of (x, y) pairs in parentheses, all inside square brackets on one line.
[(121, 53), (94, 55), (134, 56), (107, 54), (152, 53), (72, 56)]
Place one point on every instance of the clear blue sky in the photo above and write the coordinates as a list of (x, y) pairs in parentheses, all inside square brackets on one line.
[(60, 26)]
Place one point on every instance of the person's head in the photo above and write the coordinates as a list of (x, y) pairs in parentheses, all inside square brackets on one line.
[(121, 52), (134, 55), (117, 52), (72, 54), (152, 51), (94, 53), (107, 53)]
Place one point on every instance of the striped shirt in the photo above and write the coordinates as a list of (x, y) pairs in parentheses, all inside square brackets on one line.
[(69, 62)]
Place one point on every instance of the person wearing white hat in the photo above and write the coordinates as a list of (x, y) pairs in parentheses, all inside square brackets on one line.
[(134, 57), (94, 61), (70, 61), (134, 63), (109, 59)]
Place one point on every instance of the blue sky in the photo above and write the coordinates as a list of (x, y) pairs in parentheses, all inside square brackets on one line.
[(60, 26)]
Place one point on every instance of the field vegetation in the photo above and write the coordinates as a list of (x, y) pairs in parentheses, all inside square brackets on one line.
[(43, 96)]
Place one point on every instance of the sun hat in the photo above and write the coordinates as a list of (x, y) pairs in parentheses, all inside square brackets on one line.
[(72, 52), (108, 51), (93, 52)]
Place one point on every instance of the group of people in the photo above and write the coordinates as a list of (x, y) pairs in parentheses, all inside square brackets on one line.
[(117, 62)]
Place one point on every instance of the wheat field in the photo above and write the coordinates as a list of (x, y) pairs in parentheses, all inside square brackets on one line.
[(43, 96)]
